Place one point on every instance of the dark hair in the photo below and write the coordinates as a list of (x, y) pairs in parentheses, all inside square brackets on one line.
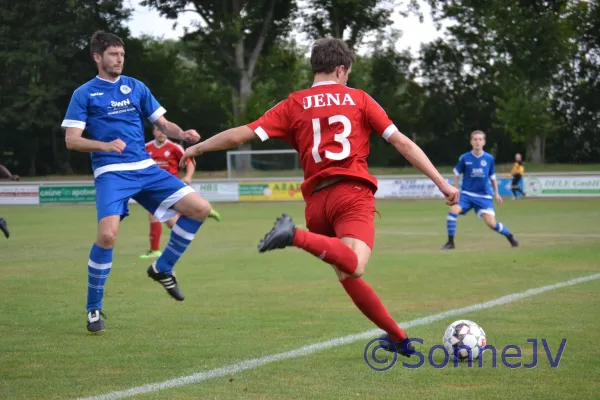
[(101, 40), (328, 54)]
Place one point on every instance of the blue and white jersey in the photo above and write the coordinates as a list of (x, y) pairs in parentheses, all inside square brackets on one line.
[(114, 110), (477, 172)]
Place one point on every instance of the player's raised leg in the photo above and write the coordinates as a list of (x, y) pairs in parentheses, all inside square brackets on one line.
[(99, 266), (166, 196), (349, 257), (490, 220), (350, 206), (194, 210), (329, 249)]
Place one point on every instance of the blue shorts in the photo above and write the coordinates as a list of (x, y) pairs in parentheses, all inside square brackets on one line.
[(480, 205), (155, 189)]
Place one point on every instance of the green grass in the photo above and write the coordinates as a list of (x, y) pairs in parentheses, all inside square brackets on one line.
[(241, 305), (378, 171)]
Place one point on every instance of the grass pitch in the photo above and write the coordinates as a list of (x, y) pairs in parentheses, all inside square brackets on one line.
[(242, 305)]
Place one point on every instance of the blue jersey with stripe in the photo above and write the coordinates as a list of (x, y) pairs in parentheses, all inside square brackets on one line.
[(477, 172), (114, 110)]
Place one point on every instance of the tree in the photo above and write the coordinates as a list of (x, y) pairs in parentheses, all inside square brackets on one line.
[(230, 39), (392, 84), (42, 48), (184, 87), (350, 20), (518, 41), (577, 91), (526, 115)]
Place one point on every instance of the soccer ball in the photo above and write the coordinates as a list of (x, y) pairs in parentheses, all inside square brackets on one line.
[(461, 336)]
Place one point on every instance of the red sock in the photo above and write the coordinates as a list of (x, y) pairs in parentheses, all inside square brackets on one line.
[(331, 250), (155, 232), (367, 301)]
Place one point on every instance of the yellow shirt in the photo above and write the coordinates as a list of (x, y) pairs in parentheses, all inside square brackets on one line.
[(518, 168)]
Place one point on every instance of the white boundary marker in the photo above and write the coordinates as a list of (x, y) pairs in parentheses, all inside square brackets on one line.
[(318, 347)]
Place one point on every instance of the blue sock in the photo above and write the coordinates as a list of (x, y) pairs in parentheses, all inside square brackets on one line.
[(99, 266), (451, 224), (501, 229), (182, 235)]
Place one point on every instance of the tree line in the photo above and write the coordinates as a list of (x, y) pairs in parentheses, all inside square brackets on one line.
[(527, 72)]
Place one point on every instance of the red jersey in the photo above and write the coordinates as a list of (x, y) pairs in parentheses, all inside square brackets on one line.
[(329, 125), (166, 155)]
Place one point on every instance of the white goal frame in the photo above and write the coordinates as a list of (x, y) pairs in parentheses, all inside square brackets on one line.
[(251, 152)]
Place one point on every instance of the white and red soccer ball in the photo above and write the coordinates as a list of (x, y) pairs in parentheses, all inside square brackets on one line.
[(463, 336)]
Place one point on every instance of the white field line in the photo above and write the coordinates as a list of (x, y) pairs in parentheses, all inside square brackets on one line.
[(318, 347), (540, 235)]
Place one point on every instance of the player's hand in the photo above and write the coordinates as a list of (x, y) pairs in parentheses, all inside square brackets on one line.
[(116, 146), (186, 180), (451, 193), (190, 136), (15, 178), (189, 153), (498, 199)]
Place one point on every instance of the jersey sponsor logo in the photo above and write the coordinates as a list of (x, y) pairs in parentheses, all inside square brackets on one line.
[(327, 100), (477, 173), (97, 94), (125, 89), (119, 104)]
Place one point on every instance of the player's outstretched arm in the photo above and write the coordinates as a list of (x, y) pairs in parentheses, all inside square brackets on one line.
[(173, 130), (419, 160), (75, 141), (222, 141)]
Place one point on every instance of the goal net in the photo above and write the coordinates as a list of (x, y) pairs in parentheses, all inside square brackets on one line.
[(263, 164)]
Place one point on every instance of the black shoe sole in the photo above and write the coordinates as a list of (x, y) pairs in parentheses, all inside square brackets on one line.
[(93, 331), (274, 239), (173, 292)]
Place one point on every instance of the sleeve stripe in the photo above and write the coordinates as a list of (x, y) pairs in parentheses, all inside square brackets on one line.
[(71, 123), (157, 114), (389, 131), (456, 172), (261, 133)]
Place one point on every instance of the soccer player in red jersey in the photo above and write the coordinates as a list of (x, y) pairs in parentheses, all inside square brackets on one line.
[(167, 156), (330, 125)]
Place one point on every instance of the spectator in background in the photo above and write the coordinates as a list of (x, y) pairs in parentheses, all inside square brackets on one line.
[(517, 171)]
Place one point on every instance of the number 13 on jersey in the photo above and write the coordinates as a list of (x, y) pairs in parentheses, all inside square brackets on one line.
[(341, 138)]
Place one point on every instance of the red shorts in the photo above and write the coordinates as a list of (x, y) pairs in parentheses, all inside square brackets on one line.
[(344, 209)]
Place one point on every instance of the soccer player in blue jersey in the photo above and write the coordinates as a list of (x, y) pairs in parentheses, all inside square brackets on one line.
[(478, 169), (111, 108)]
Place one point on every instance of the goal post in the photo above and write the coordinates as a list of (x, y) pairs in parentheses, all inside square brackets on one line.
[(263, 164)]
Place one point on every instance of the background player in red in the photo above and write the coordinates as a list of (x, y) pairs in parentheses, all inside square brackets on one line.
[(167, 156), (330, 125)]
